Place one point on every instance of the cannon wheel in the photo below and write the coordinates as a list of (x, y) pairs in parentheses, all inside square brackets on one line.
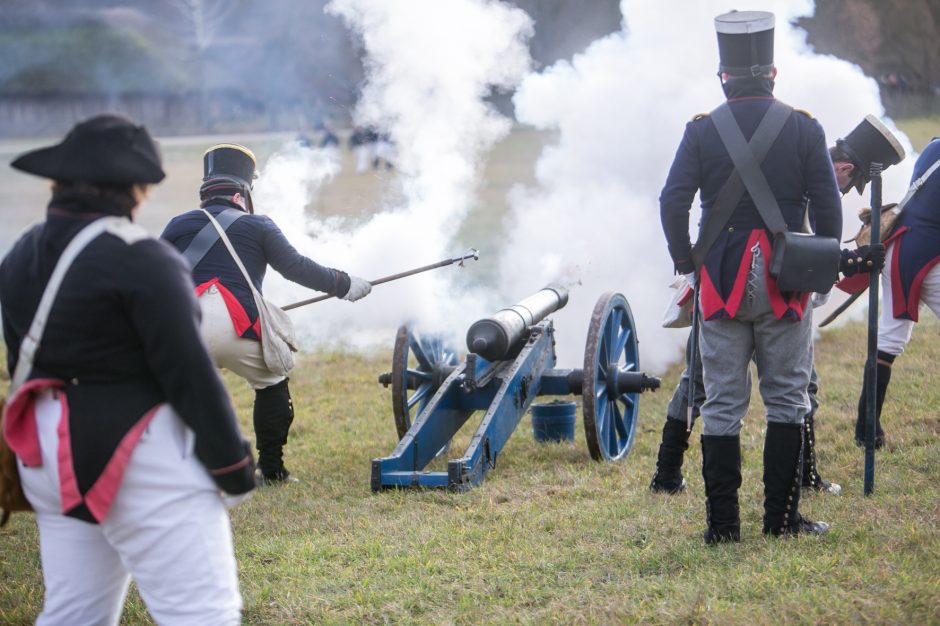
[(610, 416), (416, 357)]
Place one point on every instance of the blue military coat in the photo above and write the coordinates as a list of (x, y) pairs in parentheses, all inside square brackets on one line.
[(259, 243), (797, 168), (917, 247)]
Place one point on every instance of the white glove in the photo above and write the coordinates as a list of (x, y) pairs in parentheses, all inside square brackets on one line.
[(690, 279), (819, 299), (358, 288)]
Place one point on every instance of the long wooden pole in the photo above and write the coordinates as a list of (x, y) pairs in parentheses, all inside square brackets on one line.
[(871, 365)]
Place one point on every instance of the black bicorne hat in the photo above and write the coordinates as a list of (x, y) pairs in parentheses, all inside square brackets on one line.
[(745, 42), (102, 150), (870, 142), (229, 161)]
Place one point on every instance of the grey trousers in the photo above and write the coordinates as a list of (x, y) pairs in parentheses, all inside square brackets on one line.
[(782, 350)]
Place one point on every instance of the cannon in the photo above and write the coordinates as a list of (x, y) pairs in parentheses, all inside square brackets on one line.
[(511, 361)]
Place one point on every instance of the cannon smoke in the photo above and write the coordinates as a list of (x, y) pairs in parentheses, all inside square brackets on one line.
[(591, 221), (430, 66), (619, 110)]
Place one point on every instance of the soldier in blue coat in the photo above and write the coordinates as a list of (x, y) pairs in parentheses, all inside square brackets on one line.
[(911, 276), (870, 141), (744, 312), (231, 325)]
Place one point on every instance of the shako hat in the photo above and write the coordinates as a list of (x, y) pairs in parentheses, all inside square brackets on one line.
[(870, 142), (228, 168), (745, 42), (229, 161), (105, 149)]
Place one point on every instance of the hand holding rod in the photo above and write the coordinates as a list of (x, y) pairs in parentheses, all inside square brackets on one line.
[(472, 253)]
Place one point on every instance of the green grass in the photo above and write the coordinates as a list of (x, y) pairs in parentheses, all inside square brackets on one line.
[(553, 537), (920, 130)]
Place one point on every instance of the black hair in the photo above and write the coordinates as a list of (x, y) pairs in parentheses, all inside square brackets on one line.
[(121, 197), (837, 154)]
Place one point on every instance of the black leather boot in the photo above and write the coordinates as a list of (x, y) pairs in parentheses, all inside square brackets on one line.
[(273, 415), (783, 465), (811, 478), (721, 469), (668, 477), (884, 363)]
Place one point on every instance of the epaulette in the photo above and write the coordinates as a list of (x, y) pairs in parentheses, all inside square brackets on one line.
[(804, 112), (699, 116)]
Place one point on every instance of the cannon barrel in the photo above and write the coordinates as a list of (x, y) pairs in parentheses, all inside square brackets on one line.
[(494, 337)]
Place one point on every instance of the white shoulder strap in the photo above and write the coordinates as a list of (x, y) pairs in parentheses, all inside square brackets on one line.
[(30, 343), (917, 184), (231, 249)]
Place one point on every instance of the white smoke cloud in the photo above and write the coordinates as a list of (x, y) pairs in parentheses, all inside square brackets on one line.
[(430, 66), (619, 110), (592, 219)]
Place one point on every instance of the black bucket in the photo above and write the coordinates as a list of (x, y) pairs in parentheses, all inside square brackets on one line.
[(554, 421)]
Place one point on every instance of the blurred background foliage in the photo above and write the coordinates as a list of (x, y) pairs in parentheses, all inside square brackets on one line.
[(185, 66)]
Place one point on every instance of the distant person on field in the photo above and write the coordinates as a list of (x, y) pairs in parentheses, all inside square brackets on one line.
[(124, 432), (329, 138), (362, 143), (384, 152), (230, 322)]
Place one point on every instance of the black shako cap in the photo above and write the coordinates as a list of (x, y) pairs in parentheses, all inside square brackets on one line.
[(229, 161), (103, 150), (745, 42), (871, 142)]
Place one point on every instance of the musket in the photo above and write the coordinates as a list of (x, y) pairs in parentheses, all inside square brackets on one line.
[(871, 365), (841, 308), (693, 349), (471, 253)]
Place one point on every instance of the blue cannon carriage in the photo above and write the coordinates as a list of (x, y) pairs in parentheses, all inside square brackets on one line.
[(511, 361)]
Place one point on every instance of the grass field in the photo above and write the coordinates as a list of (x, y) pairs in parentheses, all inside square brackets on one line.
[(920, 130), (552, 536)]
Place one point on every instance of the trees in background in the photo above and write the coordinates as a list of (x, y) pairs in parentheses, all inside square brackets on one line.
[(191, 65)]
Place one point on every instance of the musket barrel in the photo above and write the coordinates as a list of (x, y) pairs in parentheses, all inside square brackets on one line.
[(494, 337)]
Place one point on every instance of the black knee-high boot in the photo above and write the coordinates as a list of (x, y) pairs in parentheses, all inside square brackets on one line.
[(721, 469), (884, 363), (811, 478), (783, 463), (668, 477), (273, 415)]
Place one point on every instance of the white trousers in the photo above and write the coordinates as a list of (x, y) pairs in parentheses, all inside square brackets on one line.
[(894, 334), (228, 350), (167, 528)]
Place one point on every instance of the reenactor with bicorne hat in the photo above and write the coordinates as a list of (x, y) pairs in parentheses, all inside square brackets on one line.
[(124, 432)]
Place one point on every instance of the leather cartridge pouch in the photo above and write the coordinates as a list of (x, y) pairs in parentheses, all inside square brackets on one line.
[(804, 262)]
